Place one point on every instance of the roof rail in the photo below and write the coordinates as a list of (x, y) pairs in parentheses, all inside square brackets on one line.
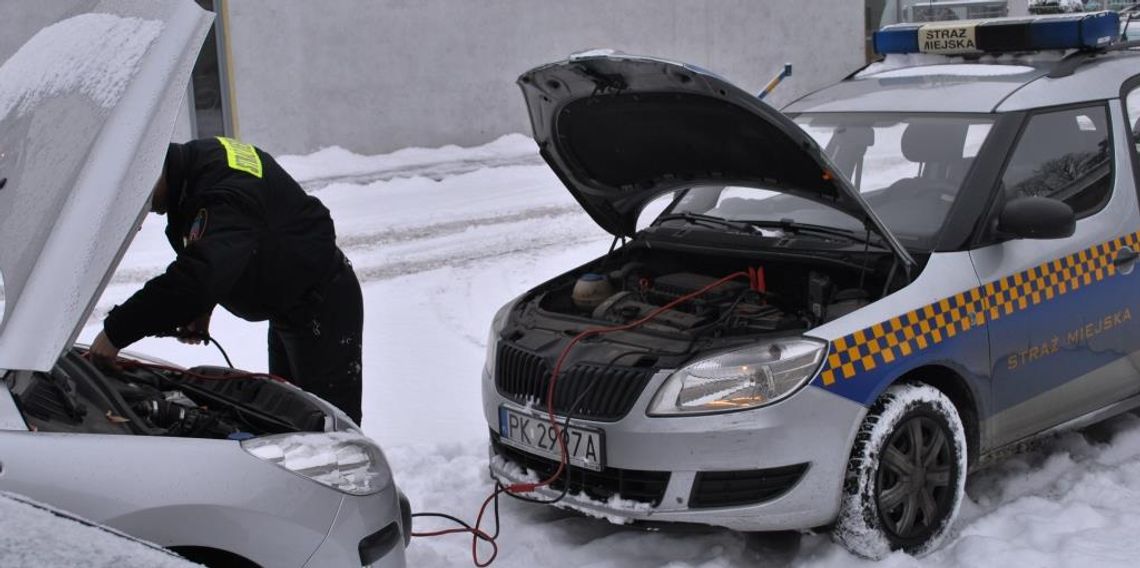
[(1071, 62)]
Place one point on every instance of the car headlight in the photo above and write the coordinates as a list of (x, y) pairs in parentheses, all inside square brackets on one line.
[(345, 461), (497, 324), (744, 378)]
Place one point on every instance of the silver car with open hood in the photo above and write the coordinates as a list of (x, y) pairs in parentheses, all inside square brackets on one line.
[(224, 467)]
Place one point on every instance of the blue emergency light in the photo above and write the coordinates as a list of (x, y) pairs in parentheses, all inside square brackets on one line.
[(1090, 30)]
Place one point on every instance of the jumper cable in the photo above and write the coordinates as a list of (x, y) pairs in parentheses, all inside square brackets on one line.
[(755, 278)]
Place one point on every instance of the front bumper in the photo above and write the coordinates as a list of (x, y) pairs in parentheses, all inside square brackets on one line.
[(368, 530), (774, 468)]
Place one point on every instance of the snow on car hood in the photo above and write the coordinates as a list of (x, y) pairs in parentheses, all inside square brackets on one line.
[(619, 130), (87, 107)]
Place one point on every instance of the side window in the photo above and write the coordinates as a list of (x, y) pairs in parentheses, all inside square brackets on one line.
[(1132, 114), (1063, 155)]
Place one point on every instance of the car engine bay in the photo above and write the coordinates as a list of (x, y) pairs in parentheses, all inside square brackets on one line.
[(661, 307), (786, 295), (156, 400)]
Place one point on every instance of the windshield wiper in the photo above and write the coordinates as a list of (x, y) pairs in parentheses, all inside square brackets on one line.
[(717, 222), (790, 226)]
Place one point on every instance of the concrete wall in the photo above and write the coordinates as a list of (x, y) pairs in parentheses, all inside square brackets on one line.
[(20, 20), (376, 75)]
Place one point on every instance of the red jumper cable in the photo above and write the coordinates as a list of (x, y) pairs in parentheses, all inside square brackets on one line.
[(756, 281)]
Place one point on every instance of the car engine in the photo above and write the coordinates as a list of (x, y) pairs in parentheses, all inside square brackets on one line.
[(155, 400), (699, 302), (782, 297)]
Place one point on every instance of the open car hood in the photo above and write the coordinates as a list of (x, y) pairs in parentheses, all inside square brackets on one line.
[(87, 108), (620, 130)]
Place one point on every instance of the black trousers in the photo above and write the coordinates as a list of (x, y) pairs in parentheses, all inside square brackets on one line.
[(317, 346)]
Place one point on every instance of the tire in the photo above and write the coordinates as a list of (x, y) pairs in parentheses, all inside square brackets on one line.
[(906, 476)]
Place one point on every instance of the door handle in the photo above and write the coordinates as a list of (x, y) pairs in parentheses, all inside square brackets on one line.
[(1125, 258)]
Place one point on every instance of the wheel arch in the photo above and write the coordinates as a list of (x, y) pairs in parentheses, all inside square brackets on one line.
[(952, 384), (210, 557)]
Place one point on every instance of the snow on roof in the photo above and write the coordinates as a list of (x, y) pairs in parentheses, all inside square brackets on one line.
[(928, 61), (955, 70)]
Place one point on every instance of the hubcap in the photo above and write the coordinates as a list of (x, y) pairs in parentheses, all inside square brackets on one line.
[(915, 471)]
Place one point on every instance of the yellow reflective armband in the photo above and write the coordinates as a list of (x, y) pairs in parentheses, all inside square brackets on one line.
[(241, 157)]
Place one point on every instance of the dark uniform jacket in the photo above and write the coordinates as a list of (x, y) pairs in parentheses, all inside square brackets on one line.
[(247, 237)]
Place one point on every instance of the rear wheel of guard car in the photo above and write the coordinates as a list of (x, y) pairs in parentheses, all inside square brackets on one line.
[(906, 476)]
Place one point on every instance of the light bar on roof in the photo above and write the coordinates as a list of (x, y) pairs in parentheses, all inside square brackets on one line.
[(1068, 31)]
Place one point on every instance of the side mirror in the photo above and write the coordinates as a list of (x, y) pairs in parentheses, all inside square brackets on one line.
[(1037, 218)]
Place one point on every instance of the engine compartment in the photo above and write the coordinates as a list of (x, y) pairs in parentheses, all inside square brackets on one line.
[(732, 298), (154, 400), (768, 295)]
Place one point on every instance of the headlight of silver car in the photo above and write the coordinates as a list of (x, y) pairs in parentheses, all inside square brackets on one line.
[(497, 324), (345, 461), (740, 379)]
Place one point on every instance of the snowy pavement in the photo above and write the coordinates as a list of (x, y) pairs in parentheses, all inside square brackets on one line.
[(441, 238)]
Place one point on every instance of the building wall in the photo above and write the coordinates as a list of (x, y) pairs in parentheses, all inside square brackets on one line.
[(20, 21), (376, 75)]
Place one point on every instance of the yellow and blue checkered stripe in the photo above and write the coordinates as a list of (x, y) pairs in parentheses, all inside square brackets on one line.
[(889, 341)]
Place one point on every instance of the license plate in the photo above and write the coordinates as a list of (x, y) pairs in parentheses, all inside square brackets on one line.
[(536, 435)]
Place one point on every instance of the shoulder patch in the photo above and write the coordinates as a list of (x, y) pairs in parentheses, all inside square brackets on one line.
[(198, 227), (241, 157)]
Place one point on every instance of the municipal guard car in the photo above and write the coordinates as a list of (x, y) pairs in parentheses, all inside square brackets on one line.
[(844, 307)]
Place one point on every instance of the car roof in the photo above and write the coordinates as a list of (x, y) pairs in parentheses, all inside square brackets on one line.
[(933, 83)]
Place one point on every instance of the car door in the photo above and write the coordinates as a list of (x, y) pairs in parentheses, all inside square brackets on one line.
[(1062, 312)]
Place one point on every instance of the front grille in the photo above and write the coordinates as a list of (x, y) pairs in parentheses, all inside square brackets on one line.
[(747, 487), (597, 392), (630, 484)]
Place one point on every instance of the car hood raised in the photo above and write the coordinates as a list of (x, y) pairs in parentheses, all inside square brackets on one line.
[(620, 130), (87, 108)]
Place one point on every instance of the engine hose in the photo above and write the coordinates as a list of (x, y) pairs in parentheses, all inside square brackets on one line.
[(210, 339), (200, 336), (517, 489)]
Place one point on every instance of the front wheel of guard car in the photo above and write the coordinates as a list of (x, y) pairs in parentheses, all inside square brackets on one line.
[(907, 474)]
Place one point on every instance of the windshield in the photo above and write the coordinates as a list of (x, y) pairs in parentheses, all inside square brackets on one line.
[(908, 168)]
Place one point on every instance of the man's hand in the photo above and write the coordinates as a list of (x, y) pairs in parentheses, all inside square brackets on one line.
[(104, 353), (195, 332)]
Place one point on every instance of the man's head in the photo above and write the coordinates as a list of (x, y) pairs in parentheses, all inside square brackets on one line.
[(173, 174)]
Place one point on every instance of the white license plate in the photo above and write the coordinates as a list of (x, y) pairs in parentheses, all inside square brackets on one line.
[(535, 435)]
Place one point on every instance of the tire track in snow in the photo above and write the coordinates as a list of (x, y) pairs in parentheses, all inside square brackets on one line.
[(475, 249), (368, 240), (435, 171), (476, 254)]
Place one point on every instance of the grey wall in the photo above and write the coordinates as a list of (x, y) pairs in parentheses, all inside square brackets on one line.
[(376, 75), (21, 19)]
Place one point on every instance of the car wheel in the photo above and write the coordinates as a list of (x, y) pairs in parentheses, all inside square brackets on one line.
[(906, 476)]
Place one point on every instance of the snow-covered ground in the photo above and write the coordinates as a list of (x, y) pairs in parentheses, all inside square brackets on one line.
[(441, 238)]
